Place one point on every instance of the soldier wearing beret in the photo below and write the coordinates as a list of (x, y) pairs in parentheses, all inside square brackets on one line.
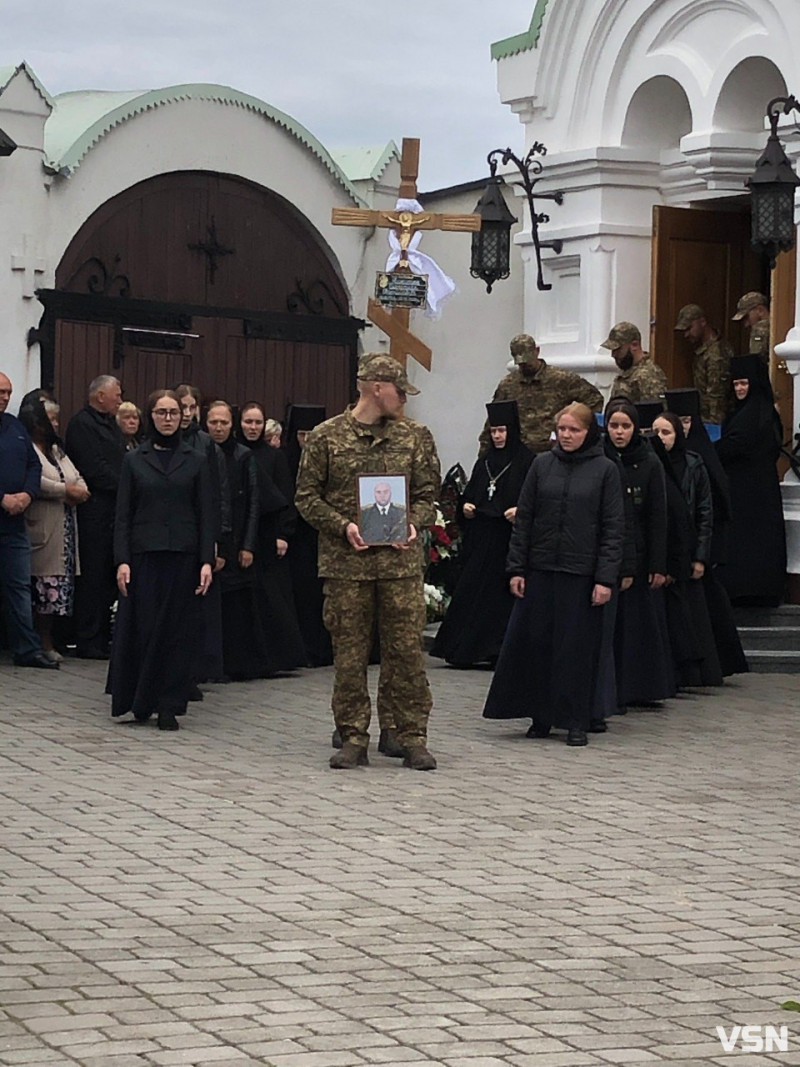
[(639, 378), (711, 363), (540, 392), (365, 584), (754, 309)]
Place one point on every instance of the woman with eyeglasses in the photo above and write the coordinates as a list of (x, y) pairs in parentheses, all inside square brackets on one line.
[(164, 551)]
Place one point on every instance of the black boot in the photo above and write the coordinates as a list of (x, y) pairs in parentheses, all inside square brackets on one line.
[(538, 729), (577, 737), (388, 744), (167, 720)]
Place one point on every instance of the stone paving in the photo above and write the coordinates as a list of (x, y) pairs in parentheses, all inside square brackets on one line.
[(219, 896)]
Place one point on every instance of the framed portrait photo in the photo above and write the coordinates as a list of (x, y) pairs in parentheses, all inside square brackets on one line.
[(383, 508)]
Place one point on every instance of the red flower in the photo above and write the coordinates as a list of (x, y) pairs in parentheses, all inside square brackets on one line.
[(433, 555)]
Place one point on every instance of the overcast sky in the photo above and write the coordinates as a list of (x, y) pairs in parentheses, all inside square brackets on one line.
[(354, 73)]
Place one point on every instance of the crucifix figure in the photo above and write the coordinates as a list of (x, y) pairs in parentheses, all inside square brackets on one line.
[(211, 249), (395, 321)]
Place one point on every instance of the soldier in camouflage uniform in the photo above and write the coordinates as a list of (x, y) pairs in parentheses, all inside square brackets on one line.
[(639, 378), (754, 309), (368, 582), (540, 392), (711, 364)]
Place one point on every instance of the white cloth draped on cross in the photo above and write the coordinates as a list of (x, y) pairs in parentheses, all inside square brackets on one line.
[(440, 285)]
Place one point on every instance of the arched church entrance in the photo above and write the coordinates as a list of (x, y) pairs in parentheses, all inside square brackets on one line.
[(204, 278)]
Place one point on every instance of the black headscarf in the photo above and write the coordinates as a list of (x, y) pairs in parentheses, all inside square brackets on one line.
[(300, 417), (632, 452), (33, 416), (676, 457), (162, 440), (503, 413)]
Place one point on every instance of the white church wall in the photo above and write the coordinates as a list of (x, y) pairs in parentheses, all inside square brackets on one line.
[(23, 231), (638, 104)]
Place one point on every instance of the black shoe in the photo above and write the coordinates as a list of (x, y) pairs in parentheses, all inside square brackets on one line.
[(195, 693), (388, 744), (577, 737), (92, 653), (538, 729), (36, 659), (142, 716), (167, 721), (598, 726)]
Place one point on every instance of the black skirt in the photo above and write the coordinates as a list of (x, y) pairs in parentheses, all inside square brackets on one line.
[(473, 629), (694, 653), (245, 652), (308, 598), (642, 653), (548, 665), (154, 651), (726, 637)]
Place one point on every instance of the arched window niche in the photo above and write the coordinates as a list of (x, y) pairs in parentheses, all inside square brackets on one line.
[(658, 115), (745, 93)]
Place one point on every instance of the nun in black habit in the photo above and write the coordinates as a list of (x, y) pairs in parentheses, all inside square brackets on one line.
[(306, 583), (473, 628), (641, 641), (276, 527), (752, 434), (691, 637), (685, 403)]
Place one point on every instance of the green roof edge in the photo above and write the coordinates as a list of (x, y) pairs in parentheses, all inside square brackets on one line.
[(221, 94), (522, 42)]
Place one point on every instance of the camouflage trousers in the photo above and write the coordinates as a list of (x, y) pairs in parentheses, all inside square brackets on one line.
[(350, 614)]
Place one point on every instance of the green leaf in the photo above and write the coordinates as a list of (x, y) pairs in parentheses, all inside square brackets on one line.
[(790, 1005)]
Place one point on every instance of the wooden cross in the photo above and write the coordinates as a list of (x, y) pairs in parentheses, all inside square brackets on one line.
[(395, 321)]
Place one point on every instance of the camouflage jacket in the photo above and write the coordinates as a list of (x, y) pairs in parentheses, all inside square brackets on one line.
[(759, 340), (539, 399), (711, 368), (645, 381), (338, 450)]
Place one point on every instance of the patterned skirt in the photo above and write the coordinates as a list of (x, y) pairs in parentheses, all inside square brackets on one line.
[(53, 594)]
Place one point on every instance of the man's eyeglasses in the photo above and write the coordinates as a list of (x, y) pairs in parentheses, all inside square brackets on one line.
[(167, 413)]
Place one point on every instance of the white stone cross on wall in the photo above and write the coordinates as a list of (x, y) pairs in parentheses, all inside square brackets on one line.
[(29, 264)]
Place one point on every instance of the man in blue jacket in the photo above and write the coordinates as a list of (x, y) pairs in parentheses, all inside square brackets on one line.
[(20, 478)]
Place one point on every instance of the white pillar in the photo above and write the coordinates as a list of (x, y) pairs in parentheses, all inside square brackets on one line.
[(789, 352)]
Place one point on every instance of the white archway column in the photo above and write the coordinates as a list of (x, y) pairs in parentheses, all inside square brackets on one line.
[(789, 352)]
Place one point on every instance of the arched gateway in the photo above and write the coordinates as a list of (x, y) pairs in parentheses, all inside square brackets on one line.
[(201, 277)]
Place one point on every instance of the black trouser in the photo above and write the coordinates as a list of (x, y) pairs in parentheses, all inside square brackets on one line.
[(96, 586)]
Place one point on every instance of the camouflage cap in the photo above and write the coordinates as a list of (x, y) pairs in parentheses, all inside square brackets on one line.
[(747, 303), (687, 315), (621, 334), (380, 367), (523, 348)]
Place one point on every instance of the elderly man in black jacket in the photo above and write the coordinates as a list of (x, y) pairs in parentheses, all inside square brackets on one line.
[(96, 446)]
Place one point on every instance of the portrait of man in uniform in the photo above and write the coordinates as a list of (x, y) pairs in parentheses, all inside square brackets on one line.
[(383, 511)]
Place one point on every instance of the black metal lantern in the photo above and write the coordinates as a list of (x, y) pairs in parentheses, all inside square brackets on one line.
[(491, 244), (497, 219), (772, 189)]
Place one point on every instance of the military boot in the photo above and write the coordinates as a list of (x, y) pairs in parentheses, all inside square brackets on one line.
[(336, 739), (418, 758), (349, 757), (389, 745)]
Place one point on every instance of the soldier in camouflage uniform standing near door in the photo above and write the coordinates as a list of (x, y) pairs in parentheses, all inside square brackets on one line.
[(382, 583)]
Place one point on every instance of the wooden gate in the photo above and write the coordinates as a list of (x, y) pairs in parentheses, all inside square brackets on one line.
[(201, 278)]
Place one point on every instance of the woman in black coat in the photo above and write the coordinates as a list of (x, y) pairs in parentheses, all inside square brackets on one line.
[(276, 527), (301, 419), (641, 642), (689, 530), (563, 562), (472, 631), (245, 653), (164, 552), (749, 447), (685, 403)]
